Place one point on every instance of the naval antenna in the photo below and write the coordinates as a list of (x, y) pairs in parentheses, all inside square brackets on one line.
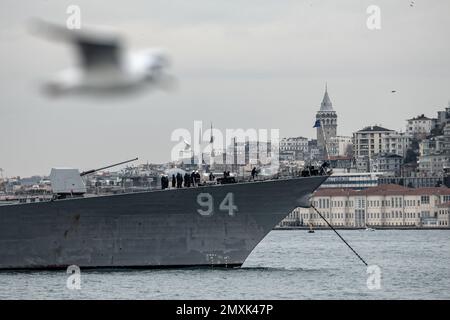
[(356, 253)]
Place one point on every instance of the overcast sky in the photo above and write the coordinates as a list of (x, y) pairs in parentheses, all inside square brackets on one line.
[(239, 64)]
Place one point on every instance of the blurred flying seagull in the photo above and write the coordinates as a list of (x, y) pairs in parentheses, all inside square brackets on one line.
[(104, 66)]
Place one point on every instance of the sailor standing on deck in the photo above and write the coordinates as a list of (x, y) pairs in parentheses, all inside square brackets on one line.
[(253, 173), (187, 180), (197, 178), (193, 178), (173, 181), (164, 182), (179, 180)]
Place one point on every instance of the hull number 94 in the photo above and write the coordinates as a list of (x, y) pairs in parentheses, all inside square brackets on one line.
[(206, 202)]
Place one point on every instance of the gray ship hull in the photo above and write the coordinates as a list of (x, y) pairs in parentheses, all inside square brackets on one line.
[(162, 228)]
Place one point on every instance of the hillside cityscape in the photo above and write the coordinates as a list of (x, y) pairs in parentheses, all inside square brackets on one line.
[(381, 177)]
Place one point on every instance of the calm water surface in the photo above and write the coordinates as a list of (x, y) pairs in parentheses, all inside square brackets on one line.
[(285, 265)]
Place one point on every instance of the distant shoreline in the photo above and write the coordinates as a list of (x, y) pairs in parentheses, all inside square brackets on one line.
[(350, 228)]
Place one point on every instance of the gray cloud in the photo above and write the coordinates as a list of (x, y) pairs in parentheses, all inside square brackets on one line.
[(260, 64)]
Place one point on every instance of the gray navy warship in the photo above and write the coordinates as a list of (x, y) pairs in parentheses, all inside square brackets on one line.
[(211, 225)]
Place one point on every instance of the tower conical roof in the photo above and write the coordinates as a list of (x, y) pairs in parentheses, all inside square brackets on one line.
[(326, 104)]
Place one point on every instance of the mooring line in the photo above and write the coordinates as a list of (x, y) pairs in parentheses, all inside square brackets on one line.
[(339, 235)]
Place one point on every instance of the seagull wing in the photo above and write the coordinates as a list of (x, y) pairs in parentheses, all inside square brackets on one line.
[(96, 50)]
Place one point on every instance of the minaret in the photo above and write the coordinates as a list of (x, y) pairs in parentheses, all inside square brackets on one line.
[(211, 141), (328, 121)]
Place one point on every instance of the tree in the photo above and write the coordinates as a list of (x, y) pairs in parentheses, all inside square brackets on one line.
[(413, 152), (437, 131), (411, 156)]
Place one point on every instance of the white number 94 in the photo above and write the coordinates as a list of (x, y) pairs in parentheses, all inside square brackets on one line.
[(206, 201)]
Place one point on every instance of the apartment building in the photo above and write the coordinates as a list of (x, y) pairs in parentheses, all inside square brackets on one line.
[(420, 126), (369, 141)]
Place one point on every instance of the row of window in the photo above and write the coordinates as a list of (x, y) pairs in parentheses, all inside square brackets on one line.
[(397, 214), (395, 202), (382, 224), (370, 215)]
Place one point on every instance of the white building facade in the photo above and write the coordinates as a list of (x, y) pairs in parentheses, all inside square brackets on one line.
[(420, 126), (293, 148), (396, 143), (382, 206), (368, 142), (340, 146)]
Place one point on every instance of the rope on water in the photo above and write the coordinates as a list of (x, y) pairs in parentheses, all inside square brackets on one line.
[(339, 235)]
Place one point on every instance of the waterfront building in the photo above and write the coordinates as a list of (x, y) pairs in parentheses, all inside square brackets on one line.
[(287, 155), (446, 138), (381, 206), (396, 143), (388, 163), (368, 142), (443, 117), (293, 148), (341, 162), (313, 149), (433, 165), (240, 153), (362, 163), (412, 181), (435, 154), (432, 145), (340, 146), (420, 126), (353, 180), (443, 219)]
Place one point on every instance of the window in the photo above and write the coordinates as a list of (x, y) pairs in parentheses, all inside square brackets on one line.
[(425, 199)]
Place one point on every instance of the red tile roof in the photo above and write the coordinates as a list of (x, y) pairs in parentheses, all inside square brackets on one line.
[(381, 190), (340, 158)]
